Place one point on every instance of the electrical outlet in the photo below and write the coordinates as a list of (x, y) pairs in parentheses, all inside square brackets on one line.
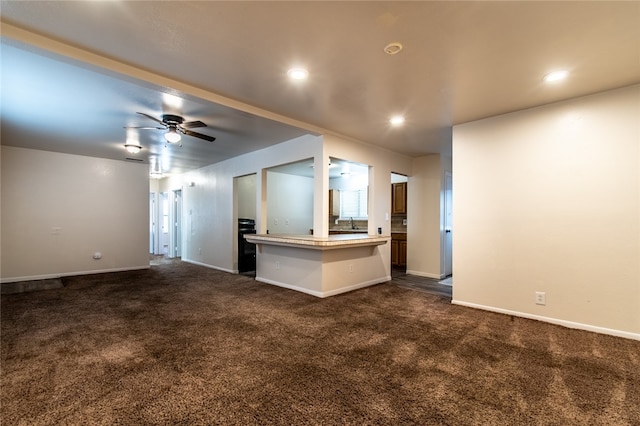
[(541, 298), (286, 221), (351, 268), (275, 221), (277, 265)]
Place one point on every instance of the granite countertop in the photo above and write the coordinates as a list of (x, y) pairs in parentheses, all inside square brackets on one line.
[(350, 230), (318, 243)]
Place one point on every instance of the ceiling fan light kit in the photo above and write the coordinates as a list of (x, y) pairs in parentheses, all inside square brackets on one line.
[(172, 136)]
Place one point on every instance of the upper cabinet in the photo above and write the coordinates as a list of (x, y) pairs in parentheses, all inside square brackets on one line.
[(399, 198)]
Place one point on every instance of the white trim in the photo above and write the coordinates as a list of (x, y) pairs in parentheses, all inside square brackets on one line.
[(70, 274), (323, 294), (195, 262), (564, 323), (425, 274)]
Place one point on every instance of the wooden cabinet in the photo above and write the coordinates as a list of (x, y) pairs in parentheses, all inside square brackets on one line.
[(402, 253), (334, 203), (399, 198), (394, 252), (398, 249)]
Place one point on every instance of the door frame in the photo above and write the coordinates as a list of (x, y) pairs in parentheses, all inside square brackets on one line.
[(447, 221)]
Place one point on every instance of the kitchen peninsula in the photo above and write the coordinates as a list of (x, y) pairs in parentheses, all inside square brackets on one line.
[(320, 266)]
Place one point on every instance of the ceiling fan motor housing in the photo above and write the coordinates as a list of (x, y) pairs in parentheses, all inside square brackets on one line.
[(171, 119)]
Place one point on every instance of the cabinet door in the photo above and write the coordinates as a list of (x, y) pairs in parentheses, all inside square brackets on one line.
[(402, 253), (394, 252), (399, 198)]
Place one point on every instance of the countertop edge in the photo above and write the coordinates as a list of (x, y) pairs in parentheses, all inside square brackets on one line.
[(318, 243)]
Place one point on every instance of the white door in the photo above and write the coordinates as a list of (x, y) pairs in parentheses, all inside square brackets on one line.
[(448, 224)]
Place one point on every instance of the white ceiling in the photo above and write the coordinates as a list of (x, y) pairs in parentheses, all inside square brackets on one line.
[(227, 61)]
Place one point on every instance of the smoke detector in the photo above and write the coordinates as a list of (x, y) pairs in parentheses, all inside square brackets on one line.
[(392, 48)]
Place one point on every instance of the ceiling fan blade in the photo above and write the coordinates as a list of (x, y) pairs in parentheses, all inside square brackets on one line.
[(198, 135), (192, 124), (154, 119)]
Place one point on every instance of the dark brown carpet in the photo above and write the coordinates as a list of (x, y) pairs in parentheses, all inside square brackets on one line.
[(181, 344)]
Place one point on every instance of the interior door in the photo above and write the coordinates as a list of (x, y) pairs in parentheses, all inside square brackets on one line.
[(448, 224)]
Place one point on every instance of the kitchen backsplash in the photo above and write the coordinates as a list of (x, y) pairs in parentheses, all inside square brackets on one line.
[(398, 223), (344, 224)]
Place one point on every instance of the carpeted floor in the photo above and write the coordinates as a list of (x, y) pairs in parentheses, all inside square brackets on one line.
[(181, 344)]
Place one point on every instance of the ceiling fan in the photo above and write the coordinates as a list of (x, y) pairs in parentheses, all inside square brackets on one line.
[(175, 125)]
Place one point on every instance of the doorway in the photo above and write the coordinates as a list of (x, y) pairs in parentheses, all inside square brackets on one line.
[(163, 214), (399, 247), (176, 230), (245, 192), (448, 227), (152, 222)]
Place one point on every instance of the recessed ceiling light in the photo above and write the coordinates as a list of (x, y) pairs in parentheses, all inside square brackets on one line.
[(556, 76), (298, 74), (393, 48), (132, 148), (396, 120)]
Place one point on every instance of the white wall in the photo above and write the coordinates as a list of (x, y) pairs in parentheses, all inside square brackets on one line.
[(548, 199), (208, 225), (289, 204), (424, 191), (246, 187), (209, 220), (59, 209)]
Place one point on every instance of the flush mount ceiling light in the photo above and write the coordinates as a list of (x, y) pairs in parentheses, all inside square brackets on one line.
[(393, 48), (298, 74), (396, 120), (132, 148), (172, 136), (156, 175), (556, 76)]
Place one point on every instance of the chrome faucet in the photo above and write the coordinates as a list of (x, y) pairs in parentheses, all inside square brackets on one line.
[(353, 225)]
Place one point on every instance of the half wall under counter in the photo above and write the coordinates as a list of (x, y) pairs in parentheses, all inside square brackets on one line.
[(322, 266)]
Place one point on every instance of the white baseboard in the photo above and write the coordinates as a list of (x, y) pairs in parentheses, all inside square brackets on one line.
[(206, 265), (425, 274), (564, 323), (70, 274), (323, 294)]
